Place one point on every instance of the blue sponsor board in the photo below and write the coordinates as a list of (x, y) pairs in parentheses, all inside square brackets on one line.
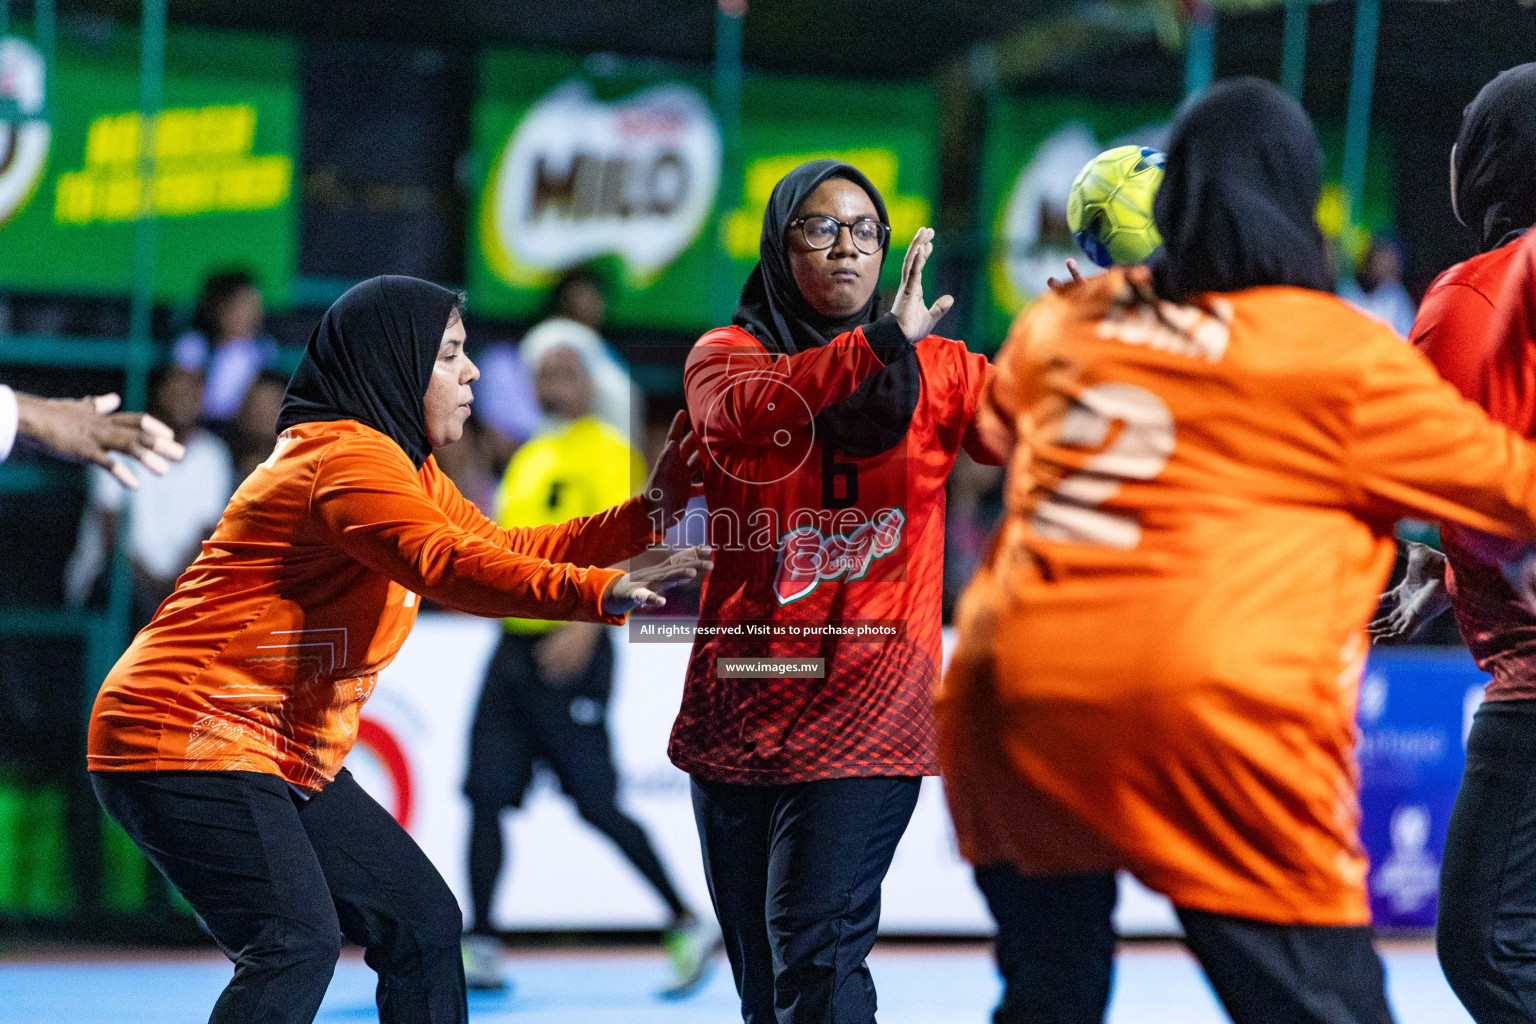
[(1416, 706)]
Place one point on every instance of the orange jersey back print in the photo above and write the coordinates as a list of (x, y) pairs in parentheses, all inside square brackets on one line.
[(262, 659), (1157, 665)]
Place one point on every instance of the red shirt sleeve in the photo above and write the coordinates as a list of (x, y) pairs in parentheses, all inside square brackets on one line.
[(1452, 329), (740, 393), (373, 507)]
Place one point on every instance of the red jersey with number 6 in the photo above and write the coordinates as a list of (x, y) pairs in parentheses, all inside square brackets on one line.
[(845, 552)]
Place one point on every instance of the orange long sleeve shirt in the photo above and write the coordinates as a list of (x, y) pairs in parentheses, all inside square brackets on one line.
[(263, 657), (1157, 668)]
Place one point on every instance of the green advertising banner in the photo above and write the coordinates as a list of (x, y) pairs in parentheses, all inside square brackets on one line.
[(1033, 151), (623, 169), (225, 146)]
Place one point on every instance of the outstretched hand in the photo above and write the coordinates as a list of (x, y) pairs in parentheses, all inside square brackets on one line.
[(678, 475), (90, 429), (642, 588), (916, 319), (1416, 601)]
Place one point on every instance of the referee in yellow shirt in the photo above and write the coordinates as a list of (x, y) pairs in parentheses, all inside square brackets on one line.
[(546, 691)]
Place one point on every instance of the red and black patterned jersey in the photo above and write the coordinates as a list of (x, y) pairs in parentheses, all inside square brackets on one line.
[(1473, 333), (846, 551)]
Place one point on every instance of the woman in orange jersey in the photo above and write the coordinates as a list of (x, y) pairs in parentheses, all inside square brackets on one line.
[(217, 741), (1157, 666)]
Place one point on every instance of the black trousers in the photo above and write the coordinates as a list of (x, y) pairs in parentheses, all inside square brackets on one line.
[(523, 719), (794, 872), (278, 880), (1056, 949), (1486, 928)]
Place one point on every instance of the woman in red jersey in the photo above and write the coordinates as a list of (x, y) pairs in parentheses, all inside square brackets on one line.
[(829, 429), (1476, 326), (218, 739)]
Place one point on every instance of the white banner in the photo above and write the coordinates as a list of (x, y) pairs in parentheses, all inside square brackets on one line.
[(562, 874)]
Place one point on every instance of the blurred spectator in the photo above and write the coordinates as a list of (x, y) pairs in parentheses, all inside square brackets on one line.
[(507, 411), (169, 516), (1377, 287), (504, 398), (253, 434), (227, 343), (579, 296), (472, 461), (547, 689)]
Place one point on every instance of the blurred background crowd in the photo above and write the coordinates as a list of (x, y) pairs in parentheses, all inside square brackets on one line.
[(595, 178)]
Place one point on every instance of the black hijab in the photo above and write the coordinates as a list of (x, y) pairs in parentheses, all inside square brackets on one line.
[(1238, 204), (1496, 159), (370, 359), (878, 414)]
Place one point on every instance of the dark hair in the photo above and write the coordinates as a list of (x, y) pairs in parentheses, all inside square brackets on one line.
[(461, 299), (582, 273), (218, 289)]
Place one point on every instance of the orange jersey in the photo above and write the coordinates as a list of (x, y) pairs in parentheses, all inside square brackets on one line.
[(262, 658), (1157, 666)]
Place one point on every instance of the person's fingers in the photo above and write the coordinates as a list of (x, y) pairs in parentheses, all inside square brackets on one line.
[(938, 309), (1072, 268), (106, 403), (679, 428), (920, 252), (906, 259), (151, 427), (123, 474), (647, 598), (675, 578), (170, 449), (115, 434), (150, 460)]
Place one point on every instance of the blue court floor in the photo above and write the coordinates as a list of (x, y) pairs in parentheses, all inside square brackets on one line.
[(1156, 984)]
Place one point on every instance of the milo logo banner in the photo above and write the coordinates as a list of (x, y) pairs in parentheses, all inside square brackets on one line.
[(579, 178), (224, 144), (620, 165)]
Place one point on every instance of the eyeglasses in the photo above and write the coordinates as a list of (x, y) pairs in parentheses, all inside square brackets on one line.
[(821, 232)]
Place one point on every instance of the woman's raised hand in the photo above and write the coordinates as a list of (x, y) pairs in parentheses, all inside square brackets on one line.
[(915, 317), (678, 475), (642, 588)]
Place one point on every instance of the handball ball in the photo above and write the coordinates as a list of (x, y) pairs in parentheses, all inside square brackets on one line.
[(1110, 208)]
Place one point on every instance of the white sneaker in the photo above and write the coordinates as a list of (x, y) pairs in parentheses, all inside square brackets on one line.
[(692, 951), (482, 963)]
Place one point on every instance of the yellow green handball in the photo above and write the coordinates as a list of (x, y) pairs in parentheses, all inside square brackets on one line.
[(1110, 208)]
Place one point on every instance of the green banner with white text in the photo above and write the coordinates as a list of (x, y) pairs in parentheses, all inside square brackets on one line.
[(225, 146)]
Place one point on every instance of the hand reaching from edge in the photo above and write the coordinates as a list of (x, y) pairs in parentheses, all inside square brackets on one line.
[(89, 430), (1416, 601), (678, 475)]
